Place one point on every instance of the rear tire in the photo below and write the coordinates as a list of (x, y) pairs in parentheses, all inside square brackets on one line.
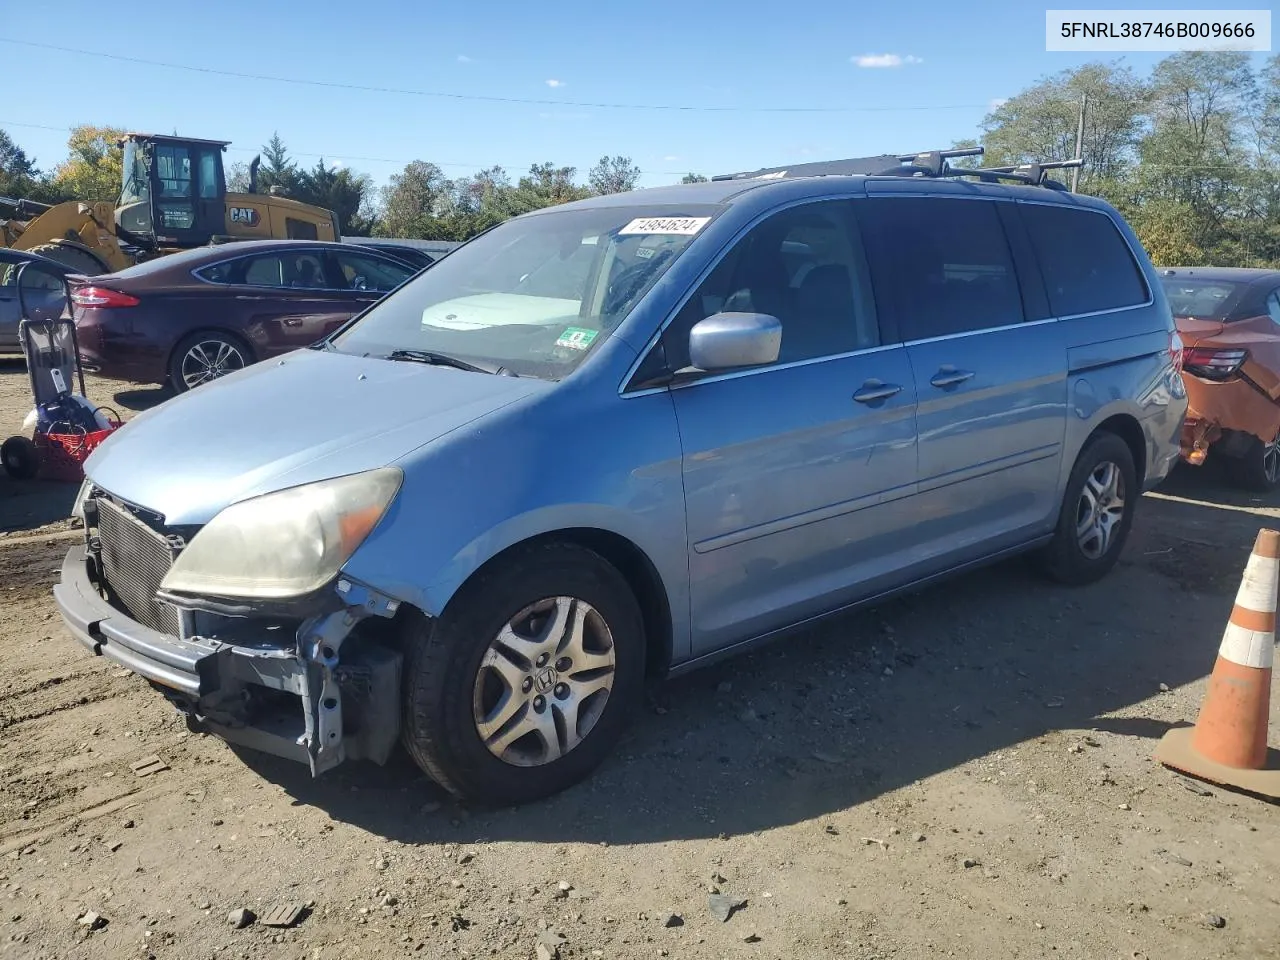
[(206, 356), (20, 457), (1259, 468), (505, 707), (78, 260), (1097, 512)]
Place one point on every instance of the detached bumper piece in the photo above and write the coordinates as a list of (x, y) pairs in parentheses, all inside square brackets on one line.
[(318, 696)]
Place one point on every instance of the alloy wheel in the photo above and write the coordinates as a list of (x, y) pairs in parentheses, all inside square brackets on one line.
[(544, 681), (1100, 509), (1271, 460), (208, 360)]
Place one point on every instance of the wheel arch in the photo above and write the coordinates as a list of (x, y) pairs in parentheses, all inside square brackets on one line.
[(1127, 427), (636, 567), (204, 331)]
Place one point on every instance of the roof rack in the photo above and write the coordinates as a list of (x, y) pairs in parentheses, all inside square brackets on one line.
[(927, 163)]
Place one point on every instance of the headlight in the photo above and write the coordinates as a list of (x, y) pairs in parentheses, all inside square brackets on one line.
[(284, 544), (77, 508)]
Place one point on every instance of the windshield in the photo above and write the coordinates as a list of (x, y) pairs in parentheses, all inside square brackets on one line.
[(534, 295), (133, 213), (1201, 299)]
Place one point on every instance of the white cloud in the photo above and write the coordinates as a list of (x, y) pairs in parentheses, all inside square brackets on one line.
[(670, 158), (996, 103), (556, 83), (463, 58), (883, 60)]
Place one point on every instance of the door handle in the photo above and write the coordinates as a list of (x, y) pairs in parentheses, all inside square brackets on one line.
[(874, 390), (950, 377), (293, 321)]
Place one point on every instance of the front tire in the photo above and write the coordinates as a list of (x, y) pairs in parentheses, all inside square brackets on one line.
[(204, 357), (1259, 468), (1097, 512), (80, 261), (524, 684)]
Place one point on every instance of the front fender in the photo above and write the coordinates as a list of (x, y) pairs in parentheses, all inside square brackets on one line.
[(529, 471)]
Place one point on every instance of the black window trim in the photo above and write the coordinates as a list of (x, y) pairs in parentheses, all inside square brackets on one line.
[(626, 388), (325, 253), (1137, 261)]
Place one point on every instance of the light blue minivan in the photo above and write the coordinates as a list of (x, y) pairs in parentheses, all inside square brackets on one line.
[(617, 439)]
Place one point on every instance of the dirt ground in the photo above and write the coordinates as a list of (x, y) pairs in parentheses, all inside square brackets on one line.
[(964, 772)]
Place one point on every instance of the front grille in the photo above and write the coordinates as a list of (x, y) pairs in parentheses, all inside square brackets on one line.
[(135, 559)]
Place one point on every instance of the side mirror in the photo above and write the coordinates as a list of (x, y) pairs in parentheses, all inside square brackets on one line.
[(726, 341)]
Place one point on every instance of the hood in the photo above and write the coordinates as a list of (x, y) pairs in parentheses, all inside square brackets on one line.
[(309, 416), (499, 309)]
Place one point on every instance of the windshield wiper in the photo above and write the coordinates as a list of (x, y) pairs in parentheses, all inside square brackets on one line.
[(443, 360)]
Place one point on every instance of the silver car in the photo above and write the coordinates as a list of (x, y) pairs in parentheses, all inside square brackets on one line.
[(620, 438)]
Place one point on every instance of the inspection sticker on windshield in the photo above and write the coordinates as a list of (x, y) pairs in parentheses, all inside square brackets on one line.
[(681, 226), (576, 338)]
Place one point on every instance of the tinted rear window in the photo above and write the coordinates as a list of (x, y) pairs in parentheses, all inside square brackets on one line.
[(1200, 298), (943, 263), (1086, 263)]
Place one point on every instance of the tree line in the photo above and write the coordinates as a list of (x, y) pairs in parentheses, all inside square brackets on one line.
[(1190, 154), (420, 201)]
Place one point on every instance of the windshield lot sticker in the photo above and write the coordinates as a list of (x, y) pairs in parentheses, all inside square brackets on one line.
[(680, 226), (575, 338)]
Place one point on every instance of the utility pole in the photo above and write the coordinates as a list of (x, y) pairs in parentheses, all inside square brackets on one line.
[(1075, 171)]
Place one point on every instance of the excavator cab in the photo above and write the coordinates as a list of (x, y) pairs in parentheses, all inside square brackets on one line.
[(173, 193)]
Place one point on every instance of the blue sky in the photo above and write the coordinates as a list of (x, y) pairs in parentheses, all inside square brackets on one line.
[(937, 67)]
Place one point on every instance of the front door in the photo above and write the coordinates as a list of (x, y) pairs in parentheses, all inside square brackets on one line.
[(990, 385), (188, 191), (798, 476), (290, 299)]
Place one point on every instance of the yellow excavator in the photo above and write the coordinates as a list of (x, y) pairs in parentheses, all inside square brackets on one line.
[(173, 197)]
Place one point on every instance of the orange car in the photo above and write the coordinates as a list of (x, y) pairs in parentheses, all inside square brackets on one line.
[(1229, 322)]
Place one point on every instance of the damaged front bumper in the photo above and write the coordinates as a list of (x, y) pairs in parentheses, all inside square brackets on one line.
[(319, 690)]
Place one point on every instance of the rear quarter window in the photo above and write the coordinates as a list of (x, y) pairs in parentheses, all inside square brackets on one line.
[(1087, 265)]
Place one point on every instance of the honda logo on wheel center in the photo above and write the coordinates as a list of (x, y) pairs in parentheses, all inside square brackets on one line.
[(545, 680)]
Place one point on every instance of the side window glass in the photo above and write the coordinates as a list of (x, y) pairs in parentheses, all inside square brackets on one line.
[(208, 175), (369, 273), (804, 266), (264, 272), (300, 229), (1086, 264), (943, 263), (1273, 306)]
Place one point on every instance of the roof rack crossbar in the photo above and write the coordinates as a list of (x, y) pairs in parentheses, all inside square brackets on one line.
[(928, 163)]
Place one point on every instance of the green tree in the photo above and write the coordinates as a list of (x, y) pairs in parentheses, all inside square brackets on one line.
[(409, 201), (278, 169), (1040, 123), (613, 175), (92, 170), (544, 186), (18, 173), (340, 190), (693, 178), (1197, 158)]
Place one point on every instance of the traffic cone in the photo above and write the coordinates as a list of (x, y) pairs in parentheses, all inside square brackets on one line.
[(1228, 744)]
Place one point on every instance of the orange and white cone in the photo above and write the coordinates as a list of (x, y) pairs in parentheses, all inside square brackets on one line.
[(1228, 744)]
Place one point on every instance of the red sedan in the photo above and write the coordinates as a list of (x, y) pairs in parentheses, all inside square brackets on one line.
[(1229, 322), (194, 316)]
